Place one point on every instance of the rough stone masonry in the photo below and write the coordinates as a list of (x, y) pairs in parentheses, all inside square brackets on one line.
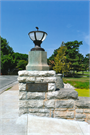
[(46, 101)]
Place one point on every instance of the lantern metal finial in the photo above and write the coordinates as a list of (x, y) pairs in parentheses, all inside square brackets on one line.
[(37, 28)]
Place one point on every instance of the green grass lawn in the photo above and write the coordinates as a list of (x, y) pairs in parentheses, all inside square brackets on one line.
[(83, 92), (81, 84), (85, 72)]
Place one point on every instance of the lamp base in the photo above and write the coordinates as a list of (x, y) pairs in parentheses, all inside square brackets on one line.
[(37, 48), (37, 60)]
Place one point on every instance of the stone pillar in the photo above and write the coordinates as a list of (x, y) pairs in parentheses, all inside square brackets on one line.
[(59, 83), (32, 86)]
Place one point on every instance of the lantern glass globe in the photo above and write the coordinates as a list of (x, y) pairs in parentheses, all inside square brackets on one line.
[(37, 35)]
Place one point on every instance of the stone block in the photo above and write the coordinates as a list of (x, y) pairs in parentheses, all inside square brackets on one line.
[(79, 110), (23, 73), (63, 94), (37, 73), (58, 114), (51, 86), (22, 86), (66, 94), (64, 104), (36, 95), (22, 95), (47, 73), (39, 110), (64, 114), (70, 115), (88, 116), (30, 79), (49, 104), (80, 119), (52, 95), (40, 114), (45, 79), (81, 104), (88, 121), (26, 79), (22, 103), (23, 111), (71, 109), (80, 116), (35, 104), (21, 79), (60, 109), (86, 110)]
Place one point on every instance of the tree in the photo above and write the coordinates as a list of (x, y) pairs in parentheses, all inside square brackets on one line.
[(61, 65), (50, 60), (21, 64), (7, 63), (19, 56), (86, 61), (9, 59), (72, 54), (5, 48), (80, 66)]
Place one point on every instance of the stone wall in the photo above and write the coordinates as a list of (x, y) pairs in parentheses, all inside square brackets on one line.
[(63, 103)]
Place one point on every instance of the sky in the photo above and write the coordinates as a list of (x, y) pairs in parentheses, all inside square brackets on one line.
[(61, 20)]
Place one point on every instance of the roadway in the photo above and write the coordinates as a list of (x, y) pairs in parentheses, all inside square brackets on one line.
[(7, 81)]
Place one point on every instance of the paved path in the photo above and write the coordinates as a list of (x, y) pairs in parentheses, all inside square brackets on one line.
[(7, 81), (12, 124)]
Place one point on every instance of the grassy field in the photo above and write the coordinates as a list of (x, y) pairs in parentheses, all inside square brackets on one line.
[(83, 92), (85, 72), (81, 83)]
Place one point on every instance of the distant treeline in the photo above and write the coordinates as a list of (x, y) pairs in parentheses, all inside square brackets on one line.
[(63, 60), (11, 62), (67, 59)]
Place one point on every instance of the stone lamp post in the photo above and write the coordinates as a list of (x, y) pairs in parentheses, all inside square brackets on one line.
[(37, 88), (36, 81), (37, 59)]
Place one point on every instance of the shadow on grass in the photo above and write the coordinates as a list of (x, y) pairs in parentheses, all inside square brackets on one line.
[(75, 76)]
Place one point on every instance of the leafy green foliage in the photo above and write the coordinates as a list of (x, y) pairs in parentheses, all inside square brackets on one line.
[(21, 64), (51, 59), (7, 63), (61, 65), (76, 60), (86, 61), (5, 48), (9, 59), (72, 54)]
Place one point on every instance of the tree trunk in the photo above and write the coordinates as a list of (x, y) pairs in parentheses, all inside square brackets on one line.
[(73, 73)]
